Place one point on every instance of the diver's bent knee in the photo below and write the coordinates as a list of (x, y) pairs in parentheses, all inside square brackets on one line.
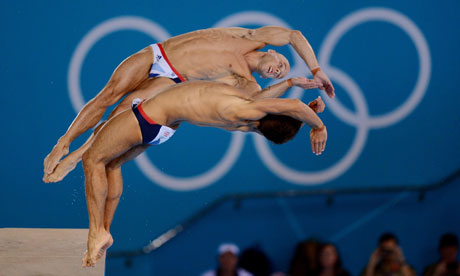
[(110, 94), (113, 165), (90, 159)]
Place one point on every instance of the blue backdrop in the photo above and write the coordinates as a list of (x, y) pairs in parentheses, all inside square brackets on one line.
[(395, 120)]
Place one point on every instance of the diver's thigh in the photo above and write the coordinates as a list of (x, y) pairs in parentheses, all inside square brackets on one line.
[(146, 90)]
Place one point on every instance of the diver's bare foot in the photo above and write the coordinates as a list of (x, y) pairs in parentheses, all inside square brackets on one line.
[(52, 159), (97, 246), (85, 260), (63, 168)]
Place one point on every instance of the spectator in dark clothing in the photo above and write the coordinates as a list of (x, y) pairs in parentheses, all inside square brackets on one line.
[(304, 261), (255, 261), (448, 264)]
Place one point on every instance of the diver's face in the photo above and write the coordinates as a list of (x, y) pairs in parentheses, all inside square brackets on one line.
[(273, 65)]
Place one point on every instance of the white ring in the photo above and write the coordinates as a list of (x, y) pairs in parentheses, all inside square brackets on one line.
[(105, 28), (361, 120), (237, 142), (195, 182), (142, 161), (261, 145), (401, 21), (260, 18), (314, 178)]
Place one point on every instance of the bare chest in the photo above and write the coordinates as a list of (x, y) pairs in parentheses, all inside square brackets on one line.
[(210, 57), (212, 65)]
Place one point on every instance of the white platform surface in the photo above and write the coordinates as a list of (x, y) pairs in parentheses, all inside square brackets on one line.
[(45, 252)]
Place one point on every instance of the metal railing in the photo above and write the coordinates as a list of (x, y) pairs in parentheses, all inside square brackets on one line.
[(237, 198)]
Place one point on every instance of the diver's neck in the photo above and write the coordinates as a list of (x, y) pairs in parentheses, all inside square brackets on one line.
[(253, 60)]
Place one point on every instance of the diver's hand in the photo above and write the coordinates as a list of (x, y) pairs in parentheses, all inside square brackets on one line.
[(317, 105), (327, 85), (318, 137), (306, 83)]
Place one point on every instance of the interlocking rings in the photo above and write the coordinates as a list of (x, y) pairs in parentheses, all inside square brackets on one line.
[(361, 119)]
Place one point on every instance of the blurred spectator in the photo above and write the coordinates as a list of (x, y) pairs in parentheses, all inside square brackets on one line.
[(256, 262), (228, 262), (388, 259), (329, 263), (304, 261), (448, 264)]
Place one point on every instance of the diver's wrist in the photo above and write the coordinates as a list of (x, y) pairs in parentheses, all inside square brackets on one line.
[(315, 70)]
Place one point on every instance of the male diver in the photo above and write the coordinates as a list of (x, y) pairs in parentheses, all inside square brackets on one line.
[(227, 55), (155, 120)]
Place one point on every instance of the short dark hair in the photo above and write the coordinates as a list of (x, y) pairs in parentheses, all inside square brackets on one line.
[(279, 128), (448, 239), (388, 237)]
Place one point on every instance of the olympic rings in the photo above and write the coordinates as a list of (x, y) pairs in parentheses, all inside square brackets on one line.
[(361, 119)]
